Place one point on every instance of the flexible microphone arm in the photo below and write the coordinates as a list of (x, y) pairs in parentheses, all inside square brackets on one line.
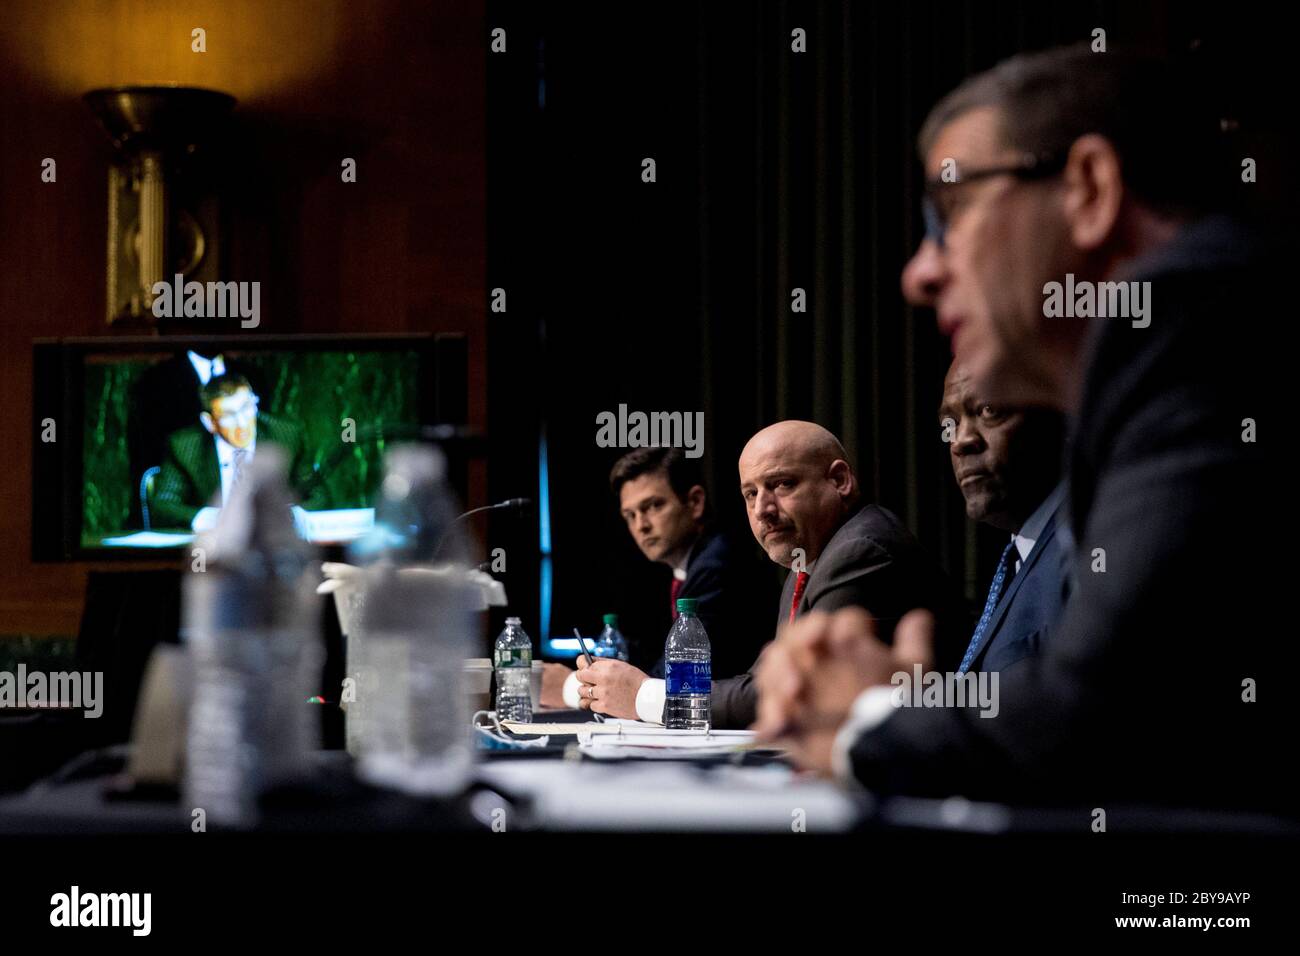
[(510, 504)]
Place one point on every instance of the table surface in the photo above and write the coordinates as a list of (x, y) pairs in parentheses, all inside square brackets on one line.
[(559, 790)]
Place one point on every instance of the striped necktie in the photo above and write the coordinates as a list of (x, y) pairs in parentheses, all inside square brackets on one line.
[(672, 594), (237, 462), (1004, 573)]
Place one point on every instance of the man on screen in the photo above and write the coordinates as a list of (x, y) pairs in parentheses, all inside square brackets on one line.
[(165, 399), (205, 462)]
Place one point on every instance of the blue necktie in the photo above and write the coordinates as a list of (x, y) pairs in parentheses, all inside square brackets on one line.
[(995, 591)]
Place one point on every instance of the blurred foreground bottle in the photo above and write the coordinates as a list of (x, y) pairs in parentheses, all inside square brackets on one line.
[(251, 626), (408, 719)]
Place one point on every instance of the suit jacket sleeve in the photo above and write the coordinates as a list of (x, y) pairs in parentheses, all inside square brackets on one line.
[(735, 599), (1042, 700), (735, 699), (1136, 676), (862, 575), (177, 495)]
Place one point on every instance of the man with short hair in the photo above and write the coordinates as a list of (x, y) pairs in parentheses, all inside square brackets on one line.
[(805, 509), (1078, 169), (663, 502), (205, 461)]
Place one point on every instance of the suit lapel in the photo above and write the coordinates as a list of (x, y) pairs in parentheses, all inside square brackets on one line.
[(1004, 602), (787, 595), (825, 560), (208, 471)]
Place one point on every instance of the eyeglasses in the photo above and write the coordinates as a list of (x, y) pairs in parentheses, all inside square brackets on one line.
[(937, 212), (236, 415)]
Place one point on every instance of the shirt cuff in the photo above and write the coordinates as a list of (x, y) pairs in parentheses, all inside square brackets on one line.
[(871, 709), (570, 691), (650, 701)]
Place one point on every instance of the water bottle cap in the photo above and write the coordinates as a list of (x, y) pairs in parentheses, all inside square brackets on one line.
[(686, 605), (611, 620), (513, 622)]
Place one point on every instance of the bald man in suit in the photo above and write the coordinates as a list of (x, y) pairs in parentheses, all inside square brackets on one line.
[(805, 510)]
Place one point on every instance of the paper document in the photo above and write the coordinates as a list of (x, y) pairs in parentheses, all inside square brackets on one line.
[(148, 539), (667, 744), (592, 727)]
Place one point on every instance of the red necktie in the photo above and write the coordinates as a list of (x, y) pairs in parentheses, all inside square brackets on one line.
[(672, 596), (801, 579)]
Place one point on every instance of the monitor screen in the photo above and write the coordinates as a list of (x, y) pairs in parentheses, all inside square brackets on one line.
[(164, 431)]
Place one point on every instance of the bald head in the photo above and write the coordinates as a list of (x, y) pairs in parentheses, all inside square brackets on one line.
[(806, 441), (798, 488)]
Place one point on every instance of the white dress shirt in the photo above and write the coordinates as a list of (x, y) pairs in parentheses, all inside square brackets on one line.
[(650, 696)]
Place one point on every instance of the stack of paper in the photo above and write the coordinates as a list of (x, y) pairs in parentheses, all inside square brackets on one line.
[(590, 727), (665, 744)]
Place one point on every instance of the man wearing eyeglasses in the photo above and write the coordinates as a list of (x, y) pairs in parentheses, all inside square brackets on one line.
[(205, 462), (1102, 167)]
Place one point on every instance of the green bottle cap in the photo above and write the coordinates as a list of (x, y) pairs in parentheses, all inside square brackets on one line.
[(611, 620), (686, 605)]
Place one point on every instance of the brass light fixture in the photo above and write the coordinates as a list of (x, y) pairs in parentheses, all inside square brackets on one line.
[(162, 202)]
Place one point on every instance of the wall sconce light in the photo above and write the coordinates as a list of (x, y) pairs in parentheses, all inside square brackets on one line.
[(163, 212)]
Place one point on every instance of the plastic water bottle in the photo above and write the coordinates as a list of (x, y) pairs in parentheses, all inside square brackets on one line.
[(251, 627), (512, 660), (688, 673), (611, 643), (406, 655)]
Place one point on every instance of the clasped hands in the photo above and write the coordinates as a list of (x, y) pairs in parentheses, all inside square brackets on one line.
[(809, 677)]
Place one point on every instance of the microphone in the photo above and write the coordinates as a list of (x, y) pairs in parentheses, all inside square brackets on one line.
[(510, 504)]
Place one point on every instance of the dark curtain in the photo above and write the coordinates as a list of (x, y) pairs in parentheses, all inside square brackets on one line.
[(775, 171)]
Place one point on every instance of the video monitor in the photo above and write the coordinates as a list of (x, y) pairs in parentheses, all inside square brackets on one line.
[(148, 438)]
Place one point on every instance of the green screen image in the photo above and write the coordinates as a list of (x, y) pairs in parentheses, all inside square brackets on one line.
[(333, 410)]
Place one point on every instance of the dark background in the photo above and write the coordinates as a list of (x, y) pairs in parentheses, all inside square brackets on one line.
[(775, 170), (395, 84), (522, 171)]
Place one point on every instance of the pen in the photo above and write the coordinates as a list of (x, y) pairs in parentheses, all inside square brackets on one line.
[(600, 718)]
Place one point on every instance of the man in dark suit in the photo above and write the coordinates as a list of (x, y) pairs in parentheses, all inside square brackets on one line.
[(1007, 463), (1147, 691), (804, 507), (664, 504), (204, 462), (164, 400)]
